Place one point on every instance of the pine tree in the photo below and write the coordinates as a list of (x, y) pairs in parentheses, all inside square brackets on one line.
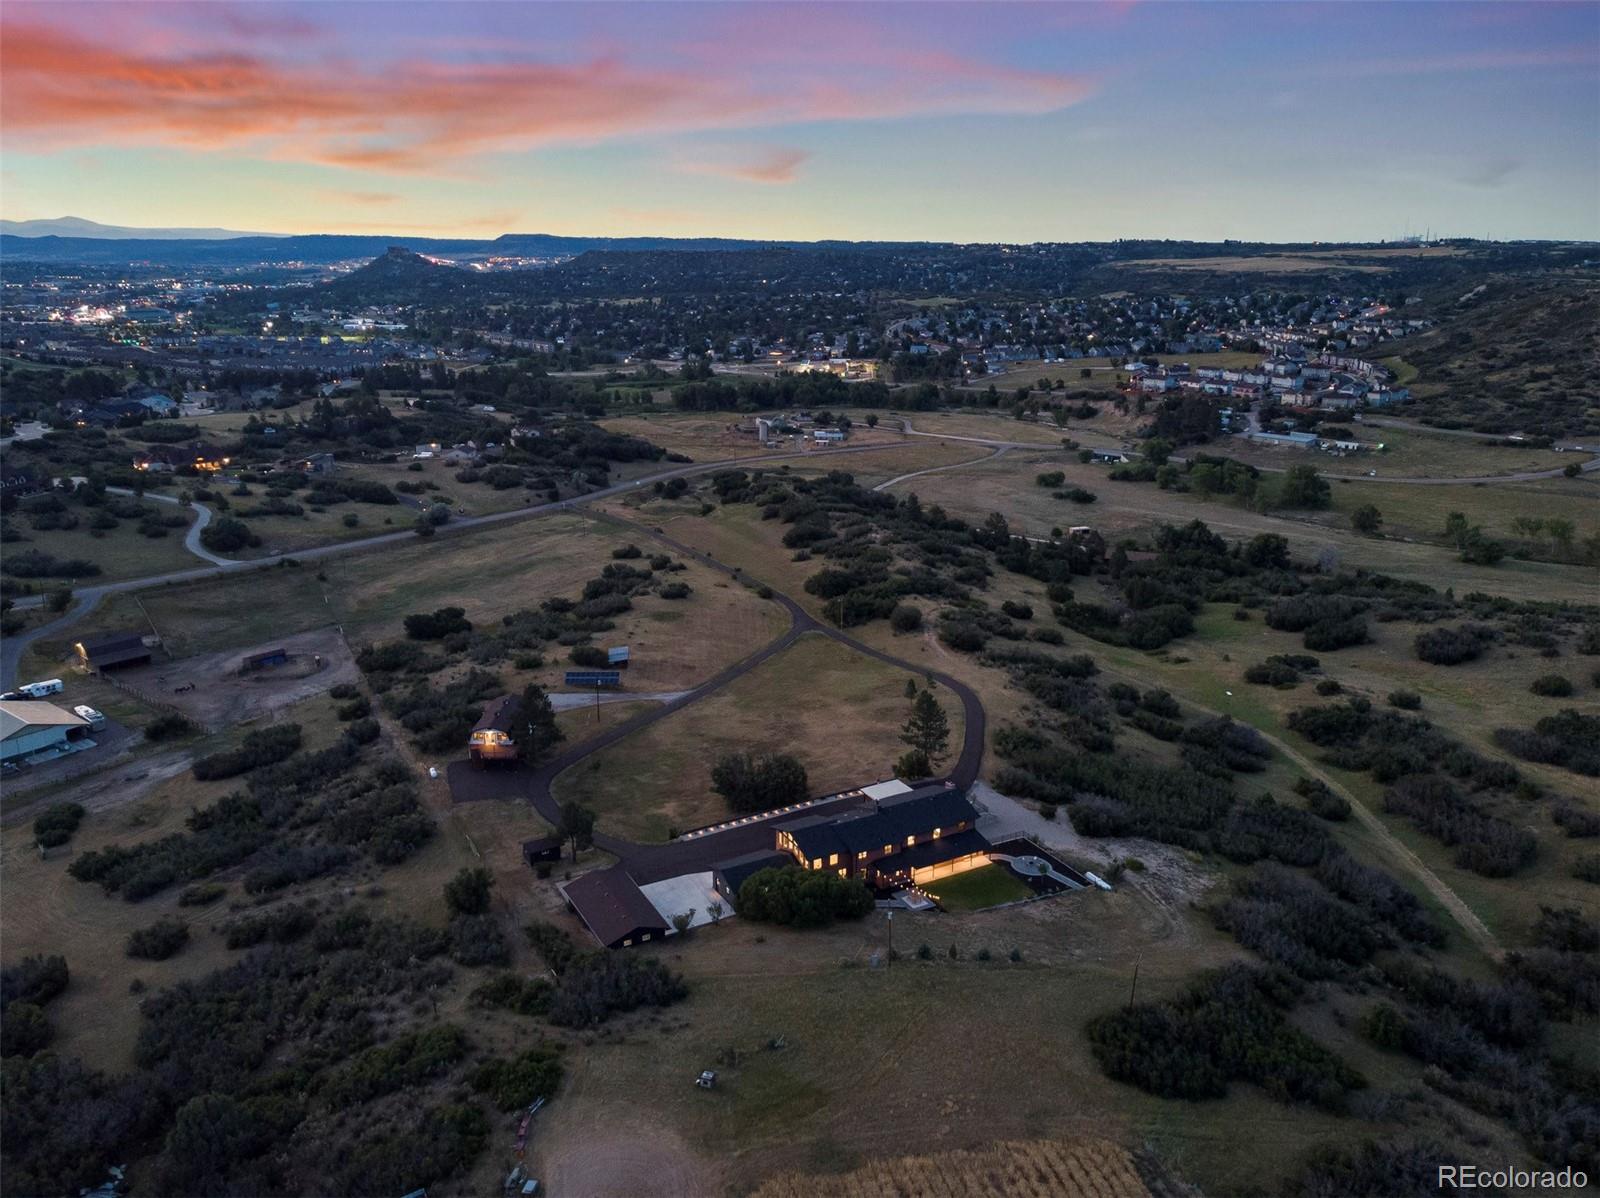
[(928, 729)]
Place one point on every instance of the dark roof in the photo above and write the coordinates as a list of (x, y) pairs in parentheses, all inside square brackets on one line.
[(612, 905), (888, 822), (541, 844), (112, 648), (499, 714), (735, 870), (932, 852)]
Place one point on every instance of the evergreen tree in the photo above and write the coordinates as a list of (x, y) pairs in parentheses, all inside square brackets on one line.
[(928, 729)]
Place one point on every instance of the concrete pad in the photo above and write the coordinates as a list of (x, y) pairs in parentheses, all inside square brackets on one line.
[(674, 896)]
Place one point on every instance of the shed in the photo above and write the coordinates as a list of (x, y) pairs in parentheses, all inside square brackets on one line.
[(618, 657), (113, 650), (28, 728), (613, 908), (541, 848)]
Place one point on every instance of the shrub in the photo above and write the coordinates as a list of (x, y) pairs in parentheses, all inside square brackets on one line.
[(201, 894), (436, 625), (24, 1031), (1577, 822), (802, 898), (516, 1084), (752, 783), (1452, 646), (913, 764), (227, 535), (167, 727), (1551, 686), (1228, 1026), (600, 984), (1017, 611), (281, 926), (468, 892), (522, 996), (627, 552), (588, 656), (56, 824), (476, 940), (673, 590), (33, 980), (905, 618), (266, 747), (1405, 700), (159, 941)]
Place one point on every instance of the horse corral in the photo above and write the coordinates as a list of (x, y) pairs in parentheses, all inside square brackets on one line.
[(235, 686)]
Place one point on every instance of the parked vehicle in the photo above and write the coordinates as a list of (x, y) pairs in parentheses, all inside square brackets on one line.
[(38, 690), (96, 719)]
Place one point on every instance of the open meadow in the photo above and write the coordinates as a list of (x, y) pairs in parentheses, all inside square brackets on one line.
[(845, 733)]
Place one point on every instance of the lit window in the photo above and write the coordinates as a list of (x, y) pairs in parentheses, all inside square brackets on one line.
[(936, 832), (862, 855), (911, 840), (844, 873), (833, 858), (816, 863), (888, 848)]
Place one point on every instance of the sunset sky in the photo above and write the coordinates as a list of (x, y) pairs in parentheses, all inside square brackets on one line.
[(1010, 122)]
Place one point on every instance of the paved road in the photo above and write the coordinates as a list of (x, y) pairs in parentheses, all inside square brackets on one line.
[(12, 649), (652, 862)]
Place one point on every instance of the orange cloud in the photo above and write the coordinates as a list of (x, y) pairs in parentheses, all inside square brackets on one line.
[(59, 88)]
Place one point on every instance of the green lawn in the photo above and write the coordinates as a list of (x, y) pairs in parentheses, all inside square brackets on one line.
[(976, 889)]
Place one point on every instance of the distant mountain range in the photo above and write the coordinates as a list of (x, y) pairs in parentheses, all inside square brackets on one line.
[(26, 241), (77, 226)]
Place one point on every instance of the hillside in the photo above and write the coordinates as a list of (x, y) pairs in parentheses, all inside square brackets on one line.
[(1517, 356)]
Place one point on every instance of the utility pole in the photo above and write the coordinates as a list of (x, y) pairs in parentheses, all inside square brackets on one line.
[(1134, 989)]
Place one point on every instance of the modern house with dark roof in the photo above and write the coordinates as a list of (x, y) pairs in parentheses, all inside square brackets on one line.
[(112, 650), (613, 908), (911, 838)]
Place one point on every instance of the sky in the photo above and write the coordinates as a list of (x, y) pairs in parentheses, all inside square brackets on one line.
[(1012, 122)]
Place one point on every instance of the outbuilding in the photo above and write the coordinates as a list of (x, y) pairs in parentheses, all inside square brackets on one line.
[(541, 849), (613, 908), (113, 651)]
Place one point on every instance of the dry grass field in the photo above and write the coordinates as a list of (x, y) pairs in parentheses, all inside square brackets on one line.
[(836, 710), (489, 573), (1085, 1168), (1406, 454), (121, 552), (1006, 485)]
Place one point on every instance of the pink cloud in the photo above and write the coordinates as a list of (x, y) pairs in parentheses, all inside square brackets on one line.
[(62, 88), (774, 165)]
